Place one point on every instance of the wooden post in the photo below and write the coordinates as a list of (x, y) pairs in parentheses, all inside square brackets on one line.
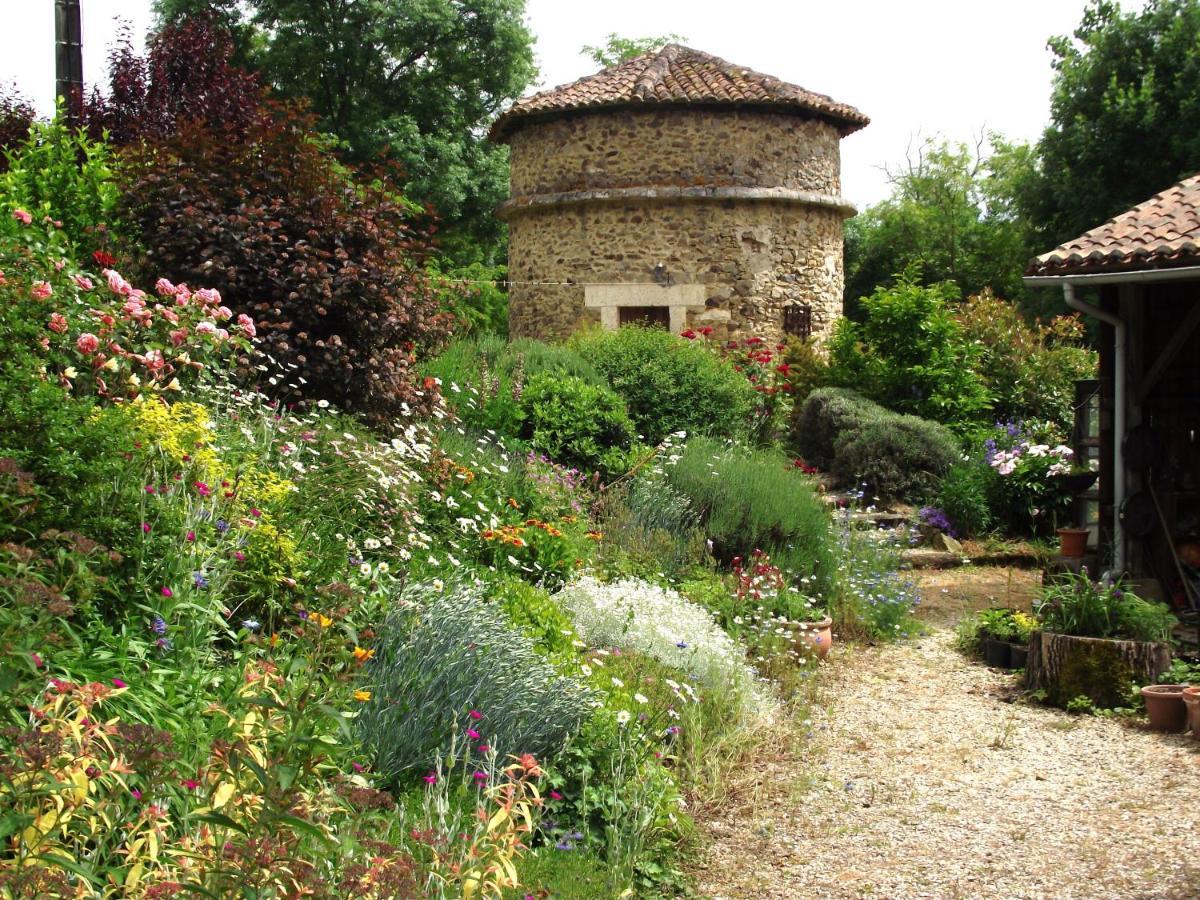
[(1101, 669), (68, 59)]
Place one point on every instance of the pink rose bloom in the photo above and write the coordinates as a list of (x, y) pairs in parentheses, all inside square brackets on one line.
[(178, 336), (168, 314), (223, 313), (58, 323), (208, 297), (154, 360), (85, 283), (41, 290), (117, 284), (21, 216), (87, 343), (165, 288), (222, 334), (247, 325), (206, 327), (44, 343)]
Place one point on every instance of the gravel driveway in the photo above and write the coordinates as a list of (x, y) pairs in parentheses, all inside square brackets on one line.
[(921, 781)]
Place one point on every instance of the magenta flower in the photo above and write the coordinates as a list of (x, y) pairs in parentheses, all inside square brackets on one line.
[(475, 714), (483, 748), (480, 776), (118, 683), (555, 795), (21, 216), (37, 660), (358, 767), (431, 778), (239, 555), (167, 592), (146, 525), (473, 734), (191, 535), (137, 795), (203, 489), (191, 784)]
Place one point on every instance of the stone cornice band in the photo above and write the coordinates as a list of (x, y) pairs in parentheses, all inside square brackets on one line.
[(517, 205)]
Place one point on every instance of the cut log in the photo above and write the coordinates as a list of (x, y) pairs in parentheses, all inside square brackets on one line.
[(1101, 669)]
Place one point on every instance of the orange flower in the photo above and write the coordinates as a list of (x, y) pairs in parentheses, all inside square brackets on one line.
[(530, 765), (361, 655), (362, 696), (513, 503), (322, 621)]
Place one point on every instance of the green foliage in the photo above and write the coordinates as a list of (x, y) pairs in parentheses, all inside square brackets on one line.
[(670, 384), (870, 597), (418, 80), (965, 496), (750, 500), (1076, 605), (1182, 671), (1124, 75), (59, 172), (536, 615), (453, 654), (479, 305), (576, 423), (910, 354), (1029, 371), (808, 369), (828, 413), (950, 217), (617, 49), (896, 457)]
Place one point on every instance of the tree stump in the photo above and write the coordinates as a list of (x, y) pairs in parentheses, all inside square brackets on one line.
[(1101, 669)]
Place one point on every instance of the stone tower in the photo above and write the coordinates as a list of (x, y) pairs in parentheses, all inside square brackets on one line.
[(679, 189)]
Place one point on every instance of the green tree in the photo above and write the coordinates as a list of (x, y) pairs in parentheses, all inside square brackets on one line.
[(953, 216), (417, 80), (617, 49), (1125, 115)]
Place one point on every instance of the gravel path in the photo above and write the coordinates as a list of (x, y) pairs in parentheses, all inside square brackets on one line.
[(920, 781)]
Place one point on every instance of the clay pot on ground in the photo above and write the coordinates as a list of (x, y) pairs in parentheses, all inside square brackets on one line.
[(1072, 542), (1191, 702), (1165, 707), (813, 638)]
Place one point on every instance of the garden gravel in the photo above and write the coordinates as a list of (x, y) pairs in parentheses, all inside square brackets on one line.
[(920, 780)]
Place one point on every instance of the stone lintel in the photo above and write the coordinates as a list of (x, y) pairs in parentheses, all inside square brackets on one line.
[(609, 298), (517, 205)]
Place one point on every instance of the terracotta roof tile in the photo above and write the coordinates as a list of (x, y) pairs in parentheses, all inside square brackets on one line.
[(1162, 232), (676, 76)]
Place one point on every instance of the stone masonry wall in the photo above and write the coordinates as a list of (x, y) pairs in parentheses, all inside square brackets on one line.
[(750, 256), (675, 147), (742, 203)]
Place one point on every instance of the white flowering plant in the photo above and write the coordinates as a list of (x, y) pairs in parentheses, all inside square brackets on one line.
[(663, 624), (1029, 461)]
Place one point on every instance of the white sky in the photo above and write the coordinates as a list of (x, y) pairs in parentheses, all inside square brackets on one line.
[(918, 68)]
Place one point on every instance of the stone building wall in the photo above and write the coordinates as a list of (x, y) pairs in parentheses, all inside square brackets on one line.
[(674, 147), (740, 208)]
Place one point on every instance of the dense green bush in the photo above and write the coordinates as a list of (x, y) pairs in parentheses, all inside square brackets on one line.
[(896, 457), (751, 500), (965, 496), (472, 295), (576, 423), (1029, 371), (670, 384), (537, 615), (910, 354), (819, 422), (453, 655)]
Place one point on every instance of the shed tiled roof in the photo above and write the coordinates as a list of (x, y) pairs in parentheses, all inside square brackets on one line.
[(1160, 233), (677, 76)]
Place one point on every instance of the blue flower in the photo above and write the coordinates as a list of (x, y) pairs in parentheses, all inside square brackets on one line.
[(199, 580), (251, 624), (222, 526), (158, 626)]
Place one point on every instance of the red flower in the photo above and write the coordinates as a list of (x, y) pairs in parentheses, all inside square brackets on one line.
[(688, 333), (107, 260)]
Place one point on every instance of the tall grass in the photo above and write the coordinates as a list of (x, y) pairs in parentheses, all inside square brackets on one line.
[(751, 500)]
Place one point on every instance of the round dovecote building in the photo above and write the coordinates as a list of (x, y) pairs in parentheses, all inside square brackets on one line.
[(678, 189)]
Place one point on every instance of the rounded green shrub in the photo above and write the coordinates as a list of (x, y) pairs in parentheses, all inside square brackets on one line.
[(670, 384), (576, 423), (824, 417), (897, 457), (964, 497)]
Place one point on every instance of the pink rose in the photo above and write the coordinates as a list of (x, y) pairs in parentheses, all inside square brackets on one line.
[(21, 216), (178, 336), (87, 343), (165, 288), (168, 314), (117, 284), (247, 325), (223, 313), (58, 323), (85, 283), (208, 297), (154, 360), (206, 327), (41, 290), (222, 334)]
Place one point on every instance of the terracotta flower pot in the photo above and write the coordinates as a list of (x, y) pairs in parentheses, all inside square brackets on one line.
[(1165, 707), (1191, 700), (1072, 542), (813, 638)]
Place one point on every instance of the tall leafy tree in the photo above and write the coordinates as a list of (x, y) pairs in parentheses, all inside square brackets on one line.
[(617, 49), (953, 216), (416, 80), (1125, 114)]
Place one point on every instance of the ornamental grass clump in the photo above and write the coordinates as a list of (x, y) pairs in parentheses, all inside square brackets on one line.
[(661, 623), (450, 667)]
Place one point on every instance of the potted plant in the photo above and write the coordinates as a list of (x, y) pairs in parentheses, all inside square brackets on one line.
[(1165, 706), (1072, 542), (1097, 640), (1024, 625), (997, 630), (1191, 702)]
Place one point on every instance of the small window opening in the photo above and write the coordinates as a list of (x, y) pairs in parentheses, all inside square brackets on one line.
[(654, 316), (797, 320)]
